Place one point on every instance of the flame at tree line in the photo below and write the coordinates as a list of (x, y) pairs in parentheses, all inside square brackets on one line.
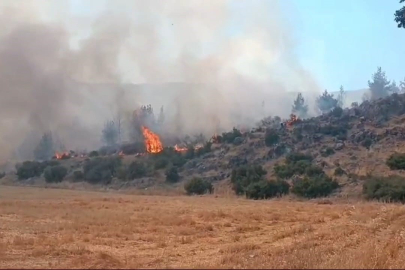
[(152, 141)]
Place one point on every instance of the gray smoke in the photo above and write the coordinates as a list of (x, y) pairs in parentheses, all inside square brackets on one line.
[(210, 63)]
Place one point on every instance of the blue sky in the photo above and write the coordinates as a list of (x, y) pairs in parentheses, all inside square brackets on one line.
[(341, 42)]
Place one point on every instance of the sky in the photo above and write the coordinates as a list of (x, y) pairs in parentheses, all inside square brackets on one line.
[(341, 42)]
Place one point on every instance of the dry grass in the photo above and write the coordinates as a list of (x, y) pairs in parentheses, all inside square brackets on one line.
[(48, 228)]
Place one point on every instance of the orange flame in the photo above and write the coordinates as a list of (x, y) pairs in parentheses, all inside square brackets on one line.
[(62, 155), (292, 121), (180, 149), (152, 141)]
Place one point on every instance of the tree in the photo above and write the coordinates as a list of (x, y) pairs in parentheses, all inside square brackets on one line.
[(394, 88), (110, 133), (400, 16), (402, 86), (341, 97), (326, 102), (45, 149), (379, 85), (299, 106), (161, 117)]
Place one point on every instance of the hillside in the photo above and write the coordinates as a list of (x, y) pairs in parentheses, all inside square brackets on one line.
[(356, 141)]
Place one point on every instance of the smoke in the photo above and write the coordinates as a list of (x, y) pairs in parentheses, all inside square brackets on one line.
[(68, 66)]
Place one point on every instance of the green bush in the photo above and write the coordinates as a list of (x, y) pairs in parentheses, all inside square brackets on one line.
[(336, 112), (78, 175), (334, 130), (313, 187), (328, 151), (385, 188), (286, 171), (133, 148), (55, 174), (271, 137), (396, 161), (136, 170), (29, 169), (243, 176), (367, 143), (229, 137), (339, 171), (295, 157), (172, 175), (267, 189), (101, 169), (198, 186), (94, 154), (314, 170)]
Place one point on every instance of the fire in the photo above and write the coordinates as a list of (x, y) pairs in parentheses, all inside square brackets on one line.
[(292, 121), (180, 149), (152, 141), (121, 154), (215, 138), (64, 155)]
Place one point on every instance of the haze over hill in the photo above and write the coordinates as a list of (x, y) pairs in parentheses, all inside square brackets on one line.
[(44, 51)]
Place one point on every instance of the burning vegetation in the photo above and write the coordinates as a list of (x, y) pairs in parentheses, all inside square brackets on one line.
[(152, 141)]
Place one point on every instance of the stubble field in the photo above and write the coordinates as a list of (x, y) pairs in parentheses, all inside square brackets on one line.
[(51, 228)]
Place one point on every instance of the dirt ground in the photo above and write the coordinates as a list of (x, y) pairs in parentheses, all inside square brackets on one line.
[(51, 228)]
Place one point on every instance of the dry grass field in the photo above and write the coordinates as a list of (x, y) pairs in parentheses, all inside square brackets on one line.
[(49, 228)]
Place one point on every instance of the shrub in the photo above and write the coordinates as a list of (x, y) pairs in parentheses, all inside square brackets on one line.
[(133, 148), (271, 137), (55, 174), (313, 187), (2, 175), (336, 112), (267, 189), (245, 175), (328, 151), (101, 169), (93, 154), (229, 137), (136, 170), (367, 143), (385, 188), (29, 169), (313, 170), (78, 175), (172, 175), (294, 157), (334, 130), (339, 171), (288, 170), (190, 153), (198, 186), (396, 161)]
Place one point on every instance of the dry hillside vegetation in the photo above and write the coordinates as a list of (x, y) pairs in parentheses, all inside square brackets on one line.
[(48, 228)]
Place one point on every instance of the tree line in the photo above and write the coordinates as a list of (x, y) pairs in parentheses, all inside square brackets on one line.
[(379, 87)]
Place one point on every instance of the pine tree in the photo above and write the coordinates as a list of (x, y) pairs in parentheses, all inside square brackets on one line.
[(326, 102), (45, 148), (394, 88), (379, 85), (341, 97), (161, 117), (402, 86), (299, 107), (110, 133)]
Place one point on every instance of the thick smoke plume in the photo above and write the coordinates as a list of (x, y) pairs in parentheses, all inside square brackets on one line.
[(68, 66)]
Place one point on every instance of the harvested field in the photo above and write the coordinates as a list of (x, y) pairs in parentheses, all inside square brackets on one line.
[(50, 228)]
